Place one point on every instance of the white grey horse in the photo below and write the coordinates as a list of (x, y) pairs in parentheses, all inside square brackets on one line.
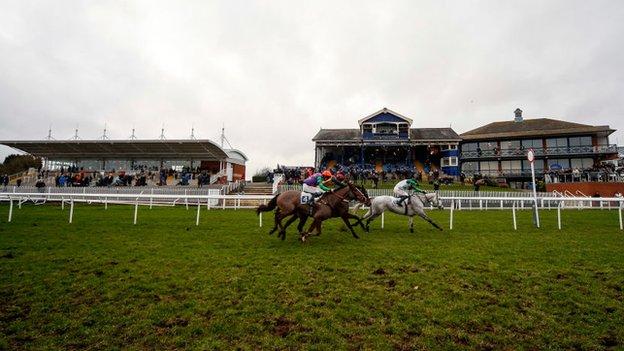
[(414, 206)]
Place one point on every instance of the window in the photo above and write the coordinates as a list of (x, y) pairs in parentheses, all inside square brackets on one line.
[(581, 163), (448, 147), (489, 167), (386, 128), (449, 161), (469, 147), (532, 143), (488, 145), (539, 165), (470, 167), (513, 165), (581, 141), (556, 142), (510, 144), (564, 163)]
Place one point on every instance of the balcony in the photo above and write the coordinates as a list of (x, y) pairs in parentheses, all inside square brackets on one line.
[(551, 151)]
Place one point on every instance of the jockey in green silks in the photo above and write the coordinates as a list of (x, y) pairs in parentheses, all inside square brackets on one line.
[(401, 190)]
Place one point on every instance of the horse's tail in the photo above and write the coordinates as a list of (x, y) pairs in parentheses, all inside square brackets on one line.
[(268, 207)]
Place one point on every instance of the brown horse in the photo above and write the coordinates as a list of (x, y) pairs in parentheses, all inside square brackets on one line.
[(288, 204)]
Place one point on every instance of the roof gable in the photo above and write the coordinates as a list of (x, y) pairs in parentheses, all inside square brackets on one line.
[(385, 115)]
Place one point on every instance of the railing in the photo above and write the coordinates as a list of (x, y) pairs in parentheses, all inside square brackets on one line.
[(277, 179), (551, 151), (237, 202), (233, 187), (215, 177), (442, 193)]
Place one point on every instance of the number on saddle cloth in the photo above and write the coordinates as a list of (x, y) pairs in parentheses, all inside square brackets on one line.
[(306, 198)]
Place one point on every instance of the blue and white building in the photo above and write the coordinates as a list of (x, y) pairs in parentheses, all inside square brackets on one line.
[(385, 140)]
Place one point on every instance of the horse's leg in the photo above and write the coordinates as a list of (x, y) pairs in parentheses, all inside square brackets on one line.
[(275, 226), (345, 219), (318, 228), (359, 220), (303, 218), (288, 223), (411, 224), (305, 234), (372, 213), (424, 216)]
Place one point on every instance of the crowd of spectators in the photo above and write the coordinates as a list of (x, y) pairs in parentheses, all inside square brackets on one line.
[(362, 173), (78, 177), (599, 173)]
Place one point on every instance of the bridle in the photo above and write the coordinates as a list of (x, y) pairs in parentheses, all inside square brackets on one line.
[(362, 198)]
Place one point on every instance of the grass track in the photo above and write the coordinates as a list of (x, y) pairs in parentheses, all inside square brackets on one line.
[(102, 283)]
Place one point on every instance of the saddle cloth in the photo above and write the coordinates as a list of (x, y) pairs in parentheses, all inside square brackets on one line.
[(305, 198)]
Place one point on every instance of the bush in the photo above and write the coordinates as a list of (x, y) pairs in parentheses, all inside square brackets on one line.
[(258, 179)]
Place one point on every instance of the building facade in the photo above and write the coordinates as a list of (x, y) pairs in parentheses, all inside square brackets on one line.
[(499, 149), (385, 141), (137, 155)]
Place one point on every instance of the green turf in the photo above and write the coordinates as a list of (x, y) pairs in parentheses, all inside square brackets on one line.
[(102, 283)]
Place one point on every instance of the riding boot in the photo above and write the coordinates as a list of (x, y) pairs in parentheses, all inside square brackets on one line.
[(402, 198), (311, 207)]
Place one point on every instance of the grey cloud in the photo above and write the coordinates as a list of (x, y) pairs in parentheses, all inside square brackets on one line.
[(275, 72)]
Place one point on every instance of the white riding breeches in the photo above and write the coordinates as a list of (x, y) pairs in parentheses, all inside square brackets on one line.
[(311, 189), (398, 192)]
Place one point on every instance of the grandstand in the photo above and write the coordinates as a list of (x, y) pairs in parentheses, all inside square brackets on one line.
[(169, 158), (386, 142)]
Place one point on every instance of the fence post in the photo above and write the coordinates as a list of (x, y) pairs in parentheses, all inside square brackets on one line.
[(620, 212), (186, 199), (151, 197), (62, 203), (260, 219), (383, 219), (451, 217), (105, 202), (11, 208), (513, 213), (198, 208), (559, 217), (71, 210), (136, 210)]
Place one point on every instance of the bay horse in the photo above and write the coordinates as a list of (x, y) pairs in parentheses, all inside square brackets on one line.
[(288, 204)]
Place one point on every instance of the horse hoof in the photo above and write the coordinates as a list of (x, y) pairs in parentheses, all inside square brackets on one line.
[(412, 231)]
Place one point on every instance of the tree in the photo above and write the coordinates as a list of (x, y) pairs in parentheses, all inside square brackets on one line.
[(18, 163)]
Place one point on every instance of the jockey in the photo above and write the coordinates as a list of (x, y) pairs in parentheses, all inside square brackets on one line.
[(402, 188), (315, 186), (335, 182)]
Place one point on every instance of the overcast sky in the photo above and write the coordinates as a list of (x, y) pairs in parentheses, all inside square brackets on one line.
[(274, 72)]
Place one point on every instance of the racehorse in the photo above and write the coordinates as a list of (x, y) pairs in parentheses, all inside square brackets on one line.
[(414, 206), (288, 204)]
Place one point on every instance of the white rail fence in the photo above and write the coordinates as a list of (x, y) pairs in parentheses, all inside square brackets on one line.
[(217, 201)]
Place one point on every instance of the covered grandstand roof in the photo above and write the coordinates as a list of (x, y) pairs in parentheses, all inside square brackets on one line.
[(415, 134), (125, 149)]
